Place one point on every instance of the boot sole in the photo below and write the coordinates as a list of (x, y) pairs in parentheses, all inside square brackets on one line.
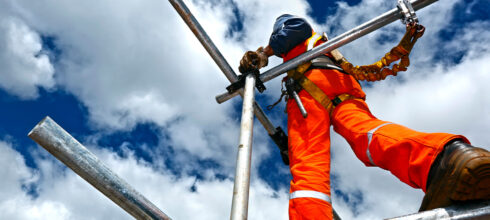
[(472, 183)]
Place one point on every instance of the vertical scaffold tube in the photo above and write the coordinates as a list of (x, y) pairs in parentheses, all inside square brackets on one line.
[(239, 207), (68, 150)]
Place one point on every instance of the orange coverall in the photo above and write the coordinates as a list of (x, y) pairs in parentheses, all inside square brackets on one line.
[(406, 153)]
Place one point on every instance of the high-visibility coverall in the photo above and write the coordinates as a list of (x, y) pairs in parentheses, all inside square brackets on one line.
[(406, 153)]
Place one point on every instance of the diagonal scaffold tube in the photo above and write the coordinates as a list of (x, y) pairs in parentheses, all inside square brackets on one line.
[(218, 58), (75, 156)]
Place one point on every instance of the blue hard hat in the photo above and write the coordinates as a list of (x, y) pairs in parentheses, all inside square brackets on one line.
[(288, 31)]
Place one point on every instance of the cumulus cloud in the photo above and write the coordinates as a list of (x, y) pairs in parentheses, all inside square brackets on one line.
[(16, 179), (25, 67), (128, 69)]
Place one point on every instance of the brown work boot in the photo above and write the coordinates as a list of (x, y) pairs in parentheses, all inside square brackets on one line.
[(460, 172)]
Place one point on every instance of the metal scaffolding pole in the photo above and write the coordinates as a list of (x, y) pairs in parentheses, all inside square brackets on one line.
[(239, 206), (334, 43), (475, 210), (68, 150), (218, 58)]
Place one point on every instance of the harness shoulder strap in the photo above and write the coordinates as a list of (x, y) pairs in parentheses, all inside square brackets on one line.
[(313, 40)]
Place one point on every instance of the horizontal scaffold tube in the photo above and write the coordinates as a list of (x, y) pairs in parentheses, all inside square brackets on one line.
[(341, 40)]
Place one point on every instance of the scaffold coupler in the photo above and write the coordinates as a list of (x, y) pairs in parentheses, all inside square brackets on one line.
[(407, 11), (240, 83), (292, 89)]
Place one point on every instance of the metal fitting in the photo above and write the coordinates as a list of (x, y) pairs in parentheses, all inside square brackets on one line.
[(407, 12)]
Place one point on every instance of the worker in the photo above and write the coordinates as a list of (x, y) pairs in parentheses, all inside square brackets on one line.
[(445, 166)]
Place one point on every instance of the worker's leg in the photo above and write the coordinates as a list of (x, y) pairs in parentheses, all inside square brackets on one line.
[(309, 158), (406, 153)]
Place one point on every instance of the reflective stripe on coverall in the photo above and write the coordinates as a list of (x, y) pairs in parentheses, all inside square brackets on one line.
[(406, 153)]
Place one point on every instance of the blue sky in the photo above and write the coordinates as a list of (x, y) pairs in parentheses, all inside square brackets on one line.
[(131, 83)]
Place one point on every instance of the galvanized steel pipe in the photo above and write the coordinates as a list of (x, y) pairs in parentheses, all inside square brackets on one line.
[(343, 39), (68, 150), (469, 210), (239, 206), (218, 58)]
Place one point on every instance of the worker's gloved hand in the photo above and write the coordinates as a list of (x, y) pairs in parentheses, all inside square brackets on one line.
[(253, 60)]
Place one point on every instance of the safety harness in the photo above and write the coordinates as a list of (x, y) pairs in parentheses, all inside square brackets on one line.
[(374, 72), (322, 62)]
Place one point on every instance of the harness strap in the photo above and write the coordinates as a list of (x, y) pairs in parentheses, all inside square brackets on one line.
[(312, 41), (315, 91)]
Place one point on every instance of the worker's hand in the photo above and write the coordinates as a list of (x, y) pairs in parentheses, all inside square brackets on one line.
[(253, 60)]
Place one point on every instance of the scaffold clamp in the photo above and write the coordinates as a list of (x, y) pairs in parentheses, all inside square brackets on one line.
[(240, 83), (407, 12)]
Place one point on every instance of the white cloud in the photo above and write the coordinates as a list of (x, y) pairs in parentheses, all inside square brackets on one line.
[(25, 67), (127, 68), (131, 63), (16, 203), (118, 64)]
